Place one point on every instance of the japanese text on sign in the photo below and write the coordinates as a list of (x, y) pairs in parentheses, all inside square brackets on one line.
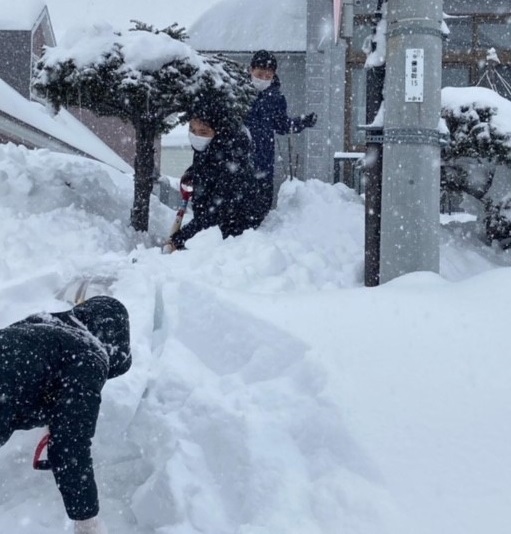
[(414, 75)]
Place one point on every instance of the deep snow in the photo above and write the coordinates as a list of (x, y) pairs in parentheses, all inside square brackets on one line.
[(270, 392)]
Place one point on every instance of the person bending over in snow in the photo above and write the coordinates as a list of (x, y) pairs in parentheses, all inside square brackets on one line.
[(267, 116), (52, 369), (221, 175)]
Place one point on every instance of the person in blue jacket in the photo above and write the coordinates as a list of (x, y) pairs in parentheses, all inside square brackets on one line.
[(267, 116)]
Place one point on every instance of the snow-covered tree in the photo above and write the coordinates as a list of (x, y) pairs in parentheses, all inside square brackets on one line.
[(474, 133), (141, 76), (478, 124)]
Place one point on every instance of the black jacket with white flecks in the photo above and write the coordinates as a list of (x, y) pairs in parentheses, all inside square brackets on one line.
[(52, 369)]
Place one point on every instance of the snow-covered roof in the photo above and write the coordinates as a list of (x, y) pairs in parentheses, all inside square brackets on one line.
[(20, 15), (248, 25), (63, 126)]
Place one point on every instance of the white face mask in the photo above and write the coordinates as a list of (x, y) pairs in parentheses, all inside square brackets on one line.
[(259, 84), (199, 142)]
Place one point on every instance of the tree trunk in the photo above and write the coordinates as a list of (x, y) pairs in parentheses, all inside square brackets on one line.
[(144, 174)]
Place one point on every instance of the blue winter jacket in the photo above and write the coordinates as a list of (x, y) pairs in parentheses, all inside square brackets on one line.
[(267, 116)]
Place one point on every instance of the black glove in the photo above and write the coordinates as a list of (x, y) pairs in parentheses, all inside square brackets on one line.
[(309, 120)]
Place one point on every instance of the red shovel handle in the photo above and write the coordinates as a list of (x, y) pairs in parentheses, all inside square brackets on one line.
[(186, 195), (186, 187), (37, 462)]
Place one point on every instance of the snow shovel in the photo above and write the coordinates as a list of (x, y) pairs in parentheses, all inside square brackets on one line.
[(186, 194)]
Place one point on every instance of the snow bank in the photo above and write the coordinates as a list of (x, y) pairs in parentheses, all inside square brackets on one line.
[(270, 392), (62, 212)]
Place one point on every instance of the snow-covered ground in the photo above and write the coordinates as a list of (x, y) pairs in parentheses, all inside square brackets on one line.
[(271, 393)]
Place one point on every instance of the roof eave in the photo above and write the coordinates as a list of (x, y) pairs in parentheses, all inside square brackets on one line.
[(30, 136)]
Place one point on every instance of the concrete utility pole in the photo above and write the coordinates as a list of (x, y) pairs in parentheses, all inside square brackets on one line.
[(411, 152)]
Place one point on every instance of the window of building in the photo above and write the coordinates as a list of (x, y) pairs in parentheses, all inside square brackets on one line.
[(455, 76), (460, 38), (494, 35)]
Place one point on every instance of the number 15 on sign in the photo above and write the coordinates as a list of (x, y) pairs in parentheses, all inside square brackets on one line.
[(414, 75)]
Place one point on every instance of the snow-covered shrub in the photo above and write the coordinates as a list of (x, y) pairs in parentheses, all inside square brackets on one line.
[(479, 124), (497, 220), (474, 134)]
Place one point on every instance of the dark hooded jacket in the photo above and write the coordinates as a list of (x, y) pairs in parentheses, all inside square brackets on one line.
[(223, 185), (52, 369), (267, 116)]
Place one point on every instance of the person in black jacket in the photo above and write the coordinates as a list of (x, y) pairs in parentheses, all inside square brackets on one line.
[(221, 175), (267, 116), (52, 369)]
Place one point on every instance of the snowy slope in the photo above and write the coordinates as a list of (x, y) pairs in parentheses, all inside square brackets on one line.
[(270, 392)]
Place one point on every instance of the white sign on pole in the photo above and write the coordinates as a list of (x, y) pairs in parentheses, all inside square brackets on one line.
[(414, 75)]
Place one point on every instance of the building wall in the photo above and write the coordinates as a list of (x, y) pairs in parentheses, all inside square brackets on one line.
[(39, 41), (325, 81), (42, 36), (15, 60), (454, 7), (290, 149), (17, 51), (118, 135)]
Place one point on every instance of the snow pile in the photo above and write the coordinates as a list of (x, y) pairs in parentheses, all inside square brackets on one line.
[(51, 202), (270, 391), (294, 249)]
